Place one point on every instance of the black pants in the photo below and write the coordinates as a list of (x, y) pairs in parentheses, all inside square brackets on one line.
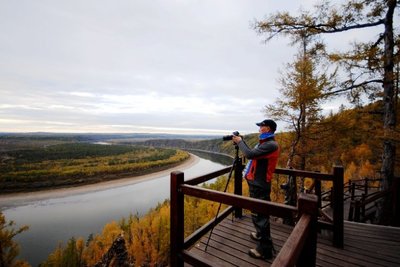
[(261, 221)]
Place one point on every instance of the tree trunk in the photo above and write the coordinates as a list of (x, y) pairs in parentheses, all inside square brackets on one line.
[(389, 119)]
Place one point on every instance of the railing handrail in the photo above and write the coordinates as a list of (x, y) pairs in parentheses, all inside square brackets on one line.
[(179, 188), (337, 194), (303, 173), (207, 177), (365, 178), (358, 210), (290, 251), (371, 198), (252, 204)]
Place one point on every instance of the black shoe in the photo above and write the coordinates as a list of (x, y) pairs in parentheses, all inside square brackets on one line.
[(257, 255), (255, 236)]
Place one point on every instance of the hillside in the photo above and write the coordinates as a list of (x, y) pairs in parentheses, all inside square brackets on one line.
[(351, 138)]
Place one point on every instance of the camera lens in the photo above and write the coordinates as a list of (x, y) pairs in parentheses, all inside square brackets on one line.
[(227, 137)]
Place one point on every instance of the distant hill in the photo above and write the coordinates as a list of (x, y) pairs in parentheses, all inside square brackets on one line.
[(216, 145), (15, 141), (352, 136), (99, 136)]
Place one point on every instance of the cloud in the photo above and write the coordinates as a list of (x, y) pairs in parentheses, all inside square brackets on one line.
[(134, 65)]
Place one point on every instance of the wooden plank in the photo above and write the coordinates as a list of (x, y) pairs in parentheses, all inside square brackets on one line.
[(354, 251), (216, 260), (230, 243), (343, 257), (381, 231), (229, 254)]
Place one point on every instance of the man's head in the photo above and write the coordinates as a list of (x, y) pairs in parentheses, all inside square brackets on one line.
[(267, 126)]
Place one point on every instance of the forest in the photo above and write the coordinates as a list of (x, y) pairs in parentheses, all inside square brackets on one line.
[(70, 164)]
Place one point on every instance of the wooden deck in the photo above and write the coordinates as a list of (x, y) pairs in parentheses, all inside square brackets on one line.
[(364, 245)]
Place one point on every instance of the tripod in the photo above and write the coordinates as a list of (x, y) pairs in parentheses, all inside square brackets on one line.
[(236, 160)]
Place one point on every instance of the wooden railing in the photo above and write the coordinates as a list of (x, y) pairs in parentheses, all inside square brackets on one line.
[(301, 246), (334, 222), (362, 206)]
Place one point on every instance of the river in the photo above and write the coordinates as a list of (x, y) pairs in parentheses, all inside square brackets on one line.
[(54, 219)]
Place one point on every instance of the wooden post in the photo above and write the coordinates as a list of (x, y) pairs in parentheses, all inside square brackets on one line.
[(294, 194), (351, 209), (357, 208), (363, 197), (351, 189), (238, 185), (396, 201), (318, 192), (308, 204), (290, 196), (177, 219), (337, 200)]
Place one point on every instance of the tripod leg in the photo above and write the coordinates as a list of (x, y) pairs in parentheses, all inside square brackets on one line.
[(220, 204)]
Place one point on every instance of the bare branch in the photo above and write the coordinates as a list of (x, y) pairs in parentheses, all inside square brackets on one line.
[(321, 27), (284, 28), (353, 87)]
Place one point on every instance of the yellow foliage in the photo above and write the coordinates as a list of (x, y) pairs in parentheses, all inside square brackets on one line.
[(364, 170), (20, 263), (9, 248), (367, 170), (101, 243), (149, 240), (359, 154), (350, 172), (55, 258), (308, 183)]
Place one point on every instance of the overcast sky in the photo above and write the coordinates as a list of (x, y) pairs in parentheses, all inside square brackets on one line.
[(138, 66)]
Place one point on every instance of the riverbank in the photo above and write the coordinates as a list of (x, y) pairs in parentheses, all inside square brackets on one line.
[(16, 199)]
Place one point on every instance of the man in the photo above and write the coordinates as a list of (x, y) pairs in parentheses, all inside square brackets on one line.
[(258, 173)]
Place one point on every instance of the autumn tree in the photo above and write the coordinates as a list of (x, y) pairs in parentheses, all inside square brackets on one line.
[(368, 64), (302, 91), (9, 249)]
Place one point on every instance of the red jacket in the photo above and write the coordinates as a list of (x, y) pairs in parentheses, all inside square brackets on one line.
[(263, 161), (263, 166)]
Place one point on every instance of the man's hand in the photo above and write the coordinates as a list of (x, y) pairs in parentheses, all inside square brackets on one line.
[(236, 139)]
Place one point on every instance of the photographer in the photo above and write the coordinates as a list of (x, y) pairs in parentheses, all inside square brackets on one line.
[(258, 173)]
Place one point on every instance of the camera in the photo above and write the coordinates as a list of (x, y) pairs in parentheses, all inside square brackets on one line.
[(229, 137)]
